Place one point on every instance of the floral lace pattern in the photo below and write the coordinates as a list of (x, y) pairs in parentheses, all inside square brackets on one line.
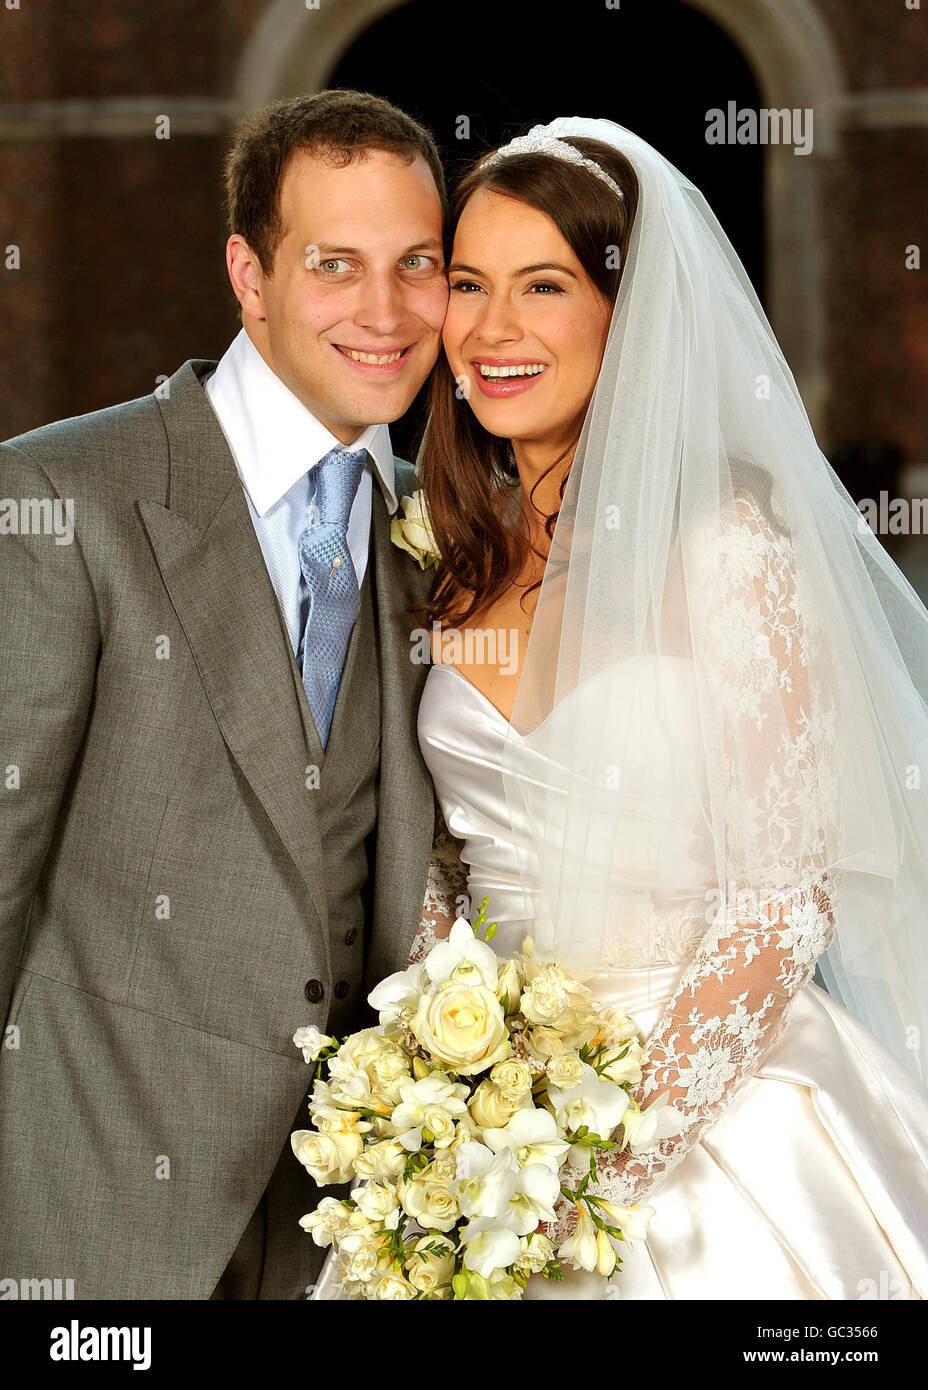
[(657, 936), (732, 1001), (445, 891)]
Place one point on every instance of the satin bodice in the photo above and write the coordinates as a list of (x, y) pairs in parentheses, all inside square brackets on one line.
[(648, 941)]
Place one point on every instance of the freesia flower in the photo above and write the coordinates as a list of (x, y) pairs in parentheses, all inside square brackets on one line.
[(631, 1221), (432, 1095), (580, 1247), (486, 1180), (532, 1201), (597, 1103), (606, 1257), (462, 948), (489, 1247), (396, 993), (644, 1128), (312, 1042), (532, 1137)]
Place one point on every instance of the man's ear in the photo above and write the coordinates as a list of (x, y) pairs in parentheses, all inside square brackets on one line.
[(247, 277)]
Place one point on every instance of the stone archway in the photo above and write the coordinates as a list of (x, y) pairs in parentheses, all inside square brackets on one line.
[(795, 64)]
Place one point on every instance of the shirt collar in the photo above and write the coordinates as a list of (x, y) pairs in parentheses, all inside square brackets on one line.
[(273, 437)]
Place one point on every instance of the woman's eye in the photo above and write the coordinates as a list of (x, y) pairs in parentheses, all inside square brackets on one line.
[(546, 286), (465, 286)]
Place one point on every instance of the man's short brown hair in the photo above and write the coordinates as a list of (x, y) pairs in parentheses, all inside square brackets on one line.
[(338, 125)]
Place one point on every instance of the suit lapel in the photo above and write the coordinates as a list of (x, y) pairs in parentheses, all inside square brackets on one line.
[(213, 568), (406, 816)]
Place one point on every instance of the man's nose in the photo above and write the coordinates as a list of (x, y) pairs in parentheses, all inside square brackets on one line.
[(382, 309)]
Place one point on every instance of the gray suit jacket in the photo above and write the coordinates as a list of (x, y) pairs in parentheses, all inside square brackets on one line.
[(149, 1080)]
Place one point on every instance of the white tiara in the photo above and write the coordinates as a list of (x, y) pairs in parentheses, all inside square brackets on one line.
[(540, 141)]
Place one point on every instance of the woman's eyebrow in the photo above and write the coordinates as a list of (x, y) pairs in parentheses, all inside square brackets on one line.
[(526, 269)]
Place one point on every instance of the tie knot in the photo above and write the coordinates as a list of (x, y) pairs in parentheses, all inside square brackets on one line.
[(337, 476)]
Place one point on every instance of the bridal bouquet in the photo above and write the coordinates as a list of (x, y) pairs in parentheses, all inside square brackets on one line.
[(488, 1092)]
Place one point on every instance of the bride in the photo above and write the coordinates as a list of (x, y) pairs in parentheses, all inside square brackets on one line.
[(676, 721)]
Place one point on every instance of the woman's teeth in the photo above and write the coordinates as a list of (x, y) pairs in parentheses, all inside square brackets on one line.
[(526, 369), (375, 360)]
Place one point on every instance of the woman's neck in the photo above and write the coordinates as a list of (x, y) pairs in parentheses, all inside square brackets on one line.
[(533, 462)]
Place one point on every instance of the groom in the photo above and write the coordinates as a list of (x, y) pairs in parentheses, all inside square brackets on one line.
[(214, 818)]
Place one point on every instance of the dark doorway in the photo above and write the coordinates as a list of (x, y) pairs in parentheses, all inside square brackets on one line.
[(656, 66)]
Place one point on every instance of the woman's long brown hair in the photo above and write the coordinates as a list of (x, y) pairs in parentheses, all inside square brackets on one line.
[(467, 474)]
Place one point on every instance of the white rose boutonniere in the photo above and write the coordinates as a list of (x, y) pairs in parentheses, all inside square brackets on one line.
[(412, 532)]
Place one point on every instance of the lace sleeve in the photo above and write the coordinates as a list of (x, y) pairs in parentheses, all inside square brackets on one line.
[(732, 1001), (445, 892)]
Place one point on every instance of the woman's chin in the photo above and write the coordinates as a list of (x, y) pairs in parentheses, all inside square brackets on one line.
[(515, 421)]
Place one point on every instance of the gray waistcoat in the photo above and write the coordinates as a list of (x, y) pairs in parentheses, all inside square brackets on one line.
[(347, 798)]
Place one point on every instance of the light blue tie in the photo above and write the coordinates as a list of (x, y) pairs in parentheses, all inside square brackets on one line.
[(334, 599)]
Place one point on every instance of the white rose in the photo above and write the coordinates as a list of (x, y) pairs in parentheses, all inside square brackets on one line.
[(430, 1202), (361, 1254), (412, 531), (393, 1286), (566, 1069), (425, 1269), (439, 1124), (535, 1251), (328, 1158), (617, 1027), (443, 1168), (327, 1222), (513, 1079), (545, 999), (490, 1108), (387, 1071), (377, 1201), (463, 1026), (312, 1042), (384, 1160)]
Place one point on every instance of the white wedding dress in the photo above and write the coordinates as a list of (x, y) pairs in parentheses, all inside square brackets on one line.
[(809, 1175)]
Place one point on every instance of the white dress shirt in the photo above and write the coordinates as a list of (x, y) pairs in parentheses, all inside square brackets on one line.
[(276, 443)]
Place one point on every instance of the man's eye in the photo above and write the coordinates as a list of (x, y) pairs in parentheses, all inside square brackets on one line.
[(331, 266), (419, 263)]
